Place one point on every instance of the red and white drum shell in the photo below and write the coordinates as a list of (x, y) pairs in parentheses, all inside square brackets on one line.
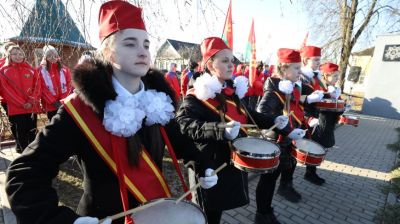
[(349, 120), (255, 155), (331, 105), (308, 152)]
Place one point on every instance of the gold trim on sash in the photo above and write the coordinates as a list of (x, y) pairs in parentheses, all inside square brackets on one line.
[(102, 151), (215, 110), (155, 170), (285, 112)]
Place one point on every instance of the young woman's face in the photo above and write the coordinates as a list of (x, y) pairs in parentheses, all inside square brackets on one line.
[(292, 72), (52, 56), (130, 53), (332, 78), (314, 63), (222, 65), (17, 55)]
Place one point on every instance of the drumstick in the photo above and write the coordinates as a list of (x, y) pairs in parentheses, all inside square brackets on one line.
[(274, 126), (241, 125), (130, 211), (198, 184), (313, 129)]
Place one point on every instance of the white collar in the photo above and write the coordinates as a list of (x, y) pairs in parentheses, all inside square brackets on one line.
[(207, 86), (121, 91), (309, 73), (124, 116)]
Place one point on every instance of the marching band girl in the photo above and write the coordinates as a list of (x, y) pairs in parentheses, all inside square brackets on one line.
[(117, 123), (283, 94), (211, 114)]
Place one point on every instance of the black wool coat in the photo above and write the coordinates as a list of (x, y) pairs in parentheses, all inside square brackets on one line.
[(200, 124), (29, 177)]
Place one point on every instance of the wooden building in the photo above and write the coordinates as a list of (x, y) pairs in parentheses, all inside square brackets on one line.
[(50, 23)]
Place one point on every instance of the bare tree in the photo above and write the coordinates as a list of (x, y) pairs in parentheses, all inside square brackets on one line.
[(339, 25)]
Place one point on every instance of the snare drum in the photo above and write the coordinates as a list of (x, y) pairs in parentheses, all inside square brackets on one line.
[(331, 105), (167, 212), (308, 152), (255, 155), (350, 120)]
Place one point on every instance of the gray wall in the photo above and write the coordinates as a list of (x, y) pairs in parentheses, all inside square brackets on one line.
[(382, 91)]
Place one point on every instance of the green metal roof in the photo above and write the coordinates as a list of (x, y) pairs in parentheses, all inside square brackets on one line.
[(50, 22)]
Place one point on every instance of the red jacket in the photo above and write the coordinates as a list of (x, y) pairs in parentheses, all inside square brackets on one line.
[(19, 84), (50, 97), (173, 81)]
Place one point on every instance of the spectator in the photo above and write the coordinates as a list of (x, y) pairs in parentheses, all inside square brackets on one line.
[(56, 80), (20, 87)]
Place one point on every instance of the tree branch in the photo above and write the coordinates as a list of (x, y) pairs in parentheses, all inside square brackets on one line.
[(364, 24)]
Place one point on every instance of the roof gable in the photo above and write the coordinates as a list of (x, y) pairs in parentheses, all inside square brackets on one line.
[(49, 21)]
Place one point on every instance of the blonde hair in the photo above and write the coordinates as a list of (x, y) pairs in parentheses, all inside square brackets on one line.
[(5, 47), (8, 53), (47, 49), (108, 43), (280, 67)]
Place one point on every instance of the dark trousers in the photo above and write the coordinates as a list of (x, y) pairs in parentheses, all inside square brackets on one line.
[(23, 127), (311, 169), (265, 191), (266, 185), (287, 173), (213, 217), (51, 114), (4, 105)]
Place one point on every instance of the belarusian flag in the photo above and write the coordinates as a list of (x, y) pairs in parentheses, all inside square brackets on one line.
[(251, 52), (227, 34), (304, 42)]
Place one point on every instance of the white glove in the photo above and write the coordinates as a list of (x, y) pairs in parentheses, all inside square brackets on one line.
[(297, 133), (281, 121), (91, 220), (208, 181), (313, 122), (315, 97), (232, 132), (286, 86), (334, 92)]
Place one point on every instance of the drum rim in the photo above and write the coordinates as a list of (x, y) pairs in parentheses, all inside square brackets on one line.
[(184, 201), (310, 153), (256, 170), (275, 154), (339, 101)]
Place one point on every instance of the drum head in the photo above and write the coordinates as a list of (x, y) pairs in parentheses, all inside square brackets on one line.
[(255, 146), (167, 212), (310, 146)]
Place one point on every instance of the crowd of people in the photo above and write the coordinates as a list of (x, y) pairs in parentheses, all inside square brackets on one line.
[(122, 114)]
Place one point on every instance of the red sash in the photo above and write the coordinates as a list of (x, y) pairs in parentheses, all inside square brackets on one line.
[(231, 113), (298, 110), (145, 182), (317, 84)]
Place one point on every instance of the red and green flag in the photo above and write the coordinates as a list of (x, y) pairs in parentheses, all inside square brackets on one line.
[(227, 34), (250, 54), (304, 42)]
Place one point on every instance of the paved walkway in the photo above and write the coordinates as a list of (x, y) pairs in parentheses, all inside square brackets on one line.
[(354, 169)]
